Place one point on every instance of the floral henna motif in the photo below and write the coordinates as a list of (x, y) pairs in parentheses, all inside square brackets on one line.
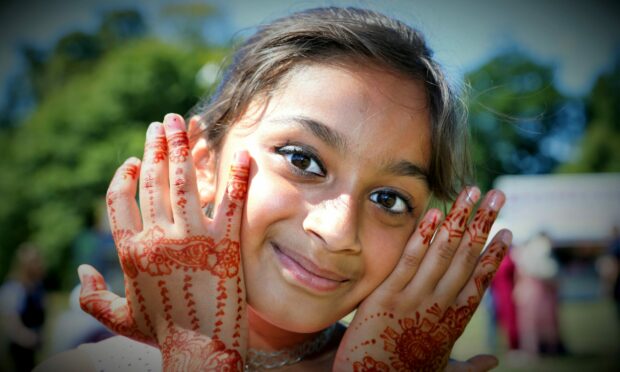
[(368, 364), (188, 351), (424, 344), (160, 255)]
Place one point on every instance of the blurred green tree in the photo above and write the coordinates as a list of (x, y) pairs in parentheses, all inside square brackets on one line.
[(600, 146), (60, 159), (517, 118)]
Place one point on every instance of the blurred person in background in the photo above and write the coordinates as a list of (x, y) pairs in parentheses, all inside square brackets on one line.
[(614, 251), (22, 306), (505, 309), (536, 296)]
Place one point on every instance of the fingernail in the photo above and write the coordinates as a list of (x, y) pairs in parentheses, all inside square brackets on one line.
[(473, 194), (507, 238), (82, 272), (241, 157), (172, 121), (153, 130), (496, 199)]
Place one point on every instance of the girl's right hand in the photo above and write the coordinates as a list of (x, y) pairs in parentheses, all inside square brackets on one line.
[(183, 278)]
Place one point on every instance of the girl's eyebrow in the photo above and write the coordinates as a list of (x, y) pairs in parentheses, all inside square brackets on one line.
[(407, 168), (326, 134)]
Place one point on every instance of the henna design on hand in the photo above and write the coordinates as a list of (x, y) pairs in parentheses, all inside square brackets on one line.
[(188, 351), (455, 222), (495, 254), (164, 259), (238, 186), (130, 171), (158, 256), (368, 364), (179, 145), (480, 227), (158, 148), (427, 229), (423, 343), (100, 306)]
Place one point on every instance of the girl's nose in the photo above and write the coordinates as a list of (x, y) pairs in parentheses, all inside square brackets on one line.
[(335, 222)]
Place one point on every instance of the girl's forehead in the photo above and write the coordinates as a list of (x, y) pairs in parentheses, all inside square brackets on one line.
[(357, 101), (367, 116)]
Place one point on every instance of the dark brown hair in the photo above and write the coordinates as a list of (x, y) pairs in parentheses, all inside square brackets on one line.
[(327, 34)]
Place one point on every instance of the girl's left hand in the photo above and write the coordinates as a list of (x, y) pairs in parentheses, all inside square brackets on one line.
[(412, 320)]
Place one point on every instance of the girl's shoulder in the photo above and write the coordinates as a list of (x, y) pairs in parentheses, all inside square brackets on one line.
[(116, 353)]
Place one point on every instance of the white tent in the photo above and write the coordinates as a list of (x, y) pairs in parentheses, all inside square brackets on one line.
[(570, 208)]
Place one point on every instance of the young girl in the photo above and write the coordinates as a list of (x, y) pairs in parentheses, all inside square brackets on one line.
[(296, 195)]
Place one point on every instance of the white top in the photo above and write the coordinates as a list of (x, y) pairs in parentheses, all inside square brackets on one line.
[(120, 353)]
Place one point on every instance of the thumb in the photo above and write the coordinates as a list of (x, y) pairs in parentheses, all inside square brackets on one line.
[(483, 362), (108, 308)]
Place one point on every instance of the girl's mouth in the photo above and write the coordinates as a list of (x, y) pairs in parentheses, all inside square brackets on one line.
[(300, 270)]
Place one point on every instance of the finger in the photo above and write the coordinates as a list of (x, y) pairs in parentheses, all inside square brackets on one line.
[(483, 363), (123, 211), (414, 252), (184, 198), (444, 244), (193, 129), (108, 308), (154, 188), (478, 363), (468, 251), (485, 269), (229, 211)]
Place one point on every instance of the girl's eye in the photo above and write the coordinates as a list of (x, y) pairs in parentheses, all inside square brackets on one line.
[(304, 161), (391, 201)]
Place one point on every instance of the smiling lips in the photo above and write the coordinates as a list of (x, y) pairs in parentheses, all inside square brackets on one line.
[(306, 272)]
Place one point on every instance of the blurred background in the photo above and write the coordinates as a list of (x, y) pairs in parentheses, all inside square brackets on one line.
[(81, 80)]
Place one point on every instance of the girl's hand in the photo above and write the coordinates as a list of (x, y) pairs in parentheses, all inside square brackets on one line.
[(412, 320), (183, 279)]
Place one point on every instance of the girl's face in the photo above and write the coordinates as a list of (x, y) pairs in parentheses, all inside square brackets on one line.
[(338, 179)]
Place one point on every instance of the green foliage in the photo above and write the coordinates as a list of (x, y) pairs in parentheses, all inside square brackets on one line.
[(600, 146), (60, 160), (78, 52), (514, 108)]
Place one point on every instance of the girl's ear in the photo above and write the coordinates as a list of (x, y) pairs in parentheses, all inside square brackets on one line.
[(205, 162)]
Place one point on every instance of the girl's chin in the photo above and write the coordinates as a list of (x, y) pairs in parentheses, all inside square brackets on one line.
[(289, 322)]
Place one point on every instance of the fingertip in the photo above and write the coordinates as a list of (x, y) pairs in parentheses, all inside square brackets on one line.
[(133, 160), (506, 237), (82, 271), (496, 199), (242, 158), (484, 362), (174, 121), (473, 193)]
